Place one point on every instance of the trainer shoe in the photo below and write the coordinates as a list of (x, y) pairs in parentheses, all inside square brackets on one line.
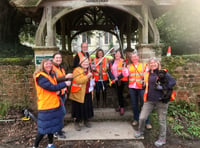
[(148, 126), (160, 142), (134, 123), (51, 146), (138, 134)]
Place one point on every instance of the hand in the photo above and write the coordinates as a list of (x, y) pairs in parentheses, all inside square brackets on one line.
[(69, 75), (58, 92), (159, 87), (68, 83), (89, 75)]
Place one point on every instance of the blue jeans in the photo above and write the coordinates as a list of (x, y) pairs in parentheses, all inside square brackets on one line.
[(137, 102)]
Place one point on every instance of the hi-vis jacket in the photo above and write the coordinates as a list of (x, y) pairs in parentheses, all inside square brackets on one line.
[(82, 57), (59, 73), (136, 74), (104, 69), (46, 99), (78, 87), (146, 80), (119, 71)]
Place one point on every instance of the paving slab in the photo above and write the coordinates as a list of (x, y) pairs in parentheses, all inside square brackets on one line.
[(101, 130)]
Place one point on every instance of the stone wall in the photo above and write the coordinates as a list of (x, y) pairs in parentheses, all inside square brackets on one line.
[(17, 85)]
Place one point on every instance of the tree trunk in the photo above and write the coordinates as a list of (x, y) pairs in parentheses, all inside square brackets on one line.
[(11, 20)]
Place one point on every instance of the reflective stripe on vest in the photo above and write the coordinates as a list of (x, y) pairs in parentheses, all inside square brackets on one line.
[(82, 57), (136, 74), (76, 87), (104, 73), (46, 99), (119, 70), (59, 73)]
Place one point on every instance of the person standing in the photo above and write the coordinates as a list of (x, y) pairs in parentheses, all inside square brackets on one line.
[(82, 54), (136, 71), (81, 96), (50, 113), (155, 97), (61, 76), (100, 75), (115, 74)]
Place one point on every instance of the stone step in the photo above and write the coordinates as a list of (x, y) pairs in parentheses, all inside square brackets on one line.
[(107, 114)]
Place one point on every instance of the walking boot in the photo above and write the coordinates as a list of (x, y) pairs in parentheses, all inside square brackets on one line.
[(77, 126), (121, 111)]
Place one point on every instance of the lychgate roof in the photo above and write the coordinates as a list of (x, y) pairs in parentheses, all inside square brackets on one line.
[(26, 3)]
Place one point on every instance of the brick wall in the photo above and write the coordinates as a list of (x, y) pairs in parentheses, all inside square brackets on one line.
[(188, 82)]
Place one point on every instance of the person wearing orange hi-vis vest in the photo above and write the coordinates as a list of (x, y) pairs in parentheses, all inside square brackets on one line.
[(119, 81), (158, 92), (81, 95), (50, 112), (135, 72), (100, 75), (83, 53), (61, 76)]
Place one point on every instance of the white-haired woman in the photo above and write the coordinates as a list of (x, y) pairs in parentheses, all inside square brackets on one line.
[(82, 108), (154, 97)]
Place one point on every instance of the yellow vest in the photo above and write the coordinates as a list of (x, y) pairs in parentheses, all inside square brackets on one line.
[(46, 99), (136, 75)]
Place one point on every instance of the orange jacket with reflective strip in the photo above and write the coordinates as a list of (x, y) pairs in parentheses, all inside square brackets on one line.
[(78, 87), (104, 69), (59, 73), (136, 75), (146, 80), (81, 56), (46, 99)]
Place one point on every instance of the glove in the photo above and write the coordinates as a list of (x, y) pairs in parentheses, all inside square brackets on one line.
[(159, 87)]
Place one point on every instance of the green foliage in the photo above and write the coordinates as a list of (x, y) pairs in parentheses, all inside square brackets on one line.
[(184, 119), (16, 61), (179, 28), (170, 63), (4, 107)]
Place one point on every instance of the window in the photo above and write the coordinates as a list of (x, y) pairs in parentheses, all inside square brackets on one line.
[(108, 38), (86, 38)]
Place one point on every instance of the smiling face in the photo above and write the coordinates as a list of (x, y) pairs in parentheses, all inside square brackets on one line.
[(117, 55), (134, 58), (153, 64), (84, 63), (84, 47), (100, 54), (48, 66), (57, 59)]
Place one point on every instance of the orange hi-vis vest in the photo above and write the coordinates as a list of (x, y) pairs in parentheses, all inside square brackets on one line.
[(46, 99), (136, 75), (119, 70), (60, 73), (76, 87), (82, 57), (146, 80), (104, 69)]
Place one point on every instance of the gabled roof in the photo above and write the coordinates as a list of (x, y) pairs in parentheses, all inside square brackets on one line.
[(25, 3)]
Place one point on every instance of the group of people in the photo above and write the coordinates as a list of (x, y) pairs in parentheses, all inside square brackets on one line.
[(51, 83)]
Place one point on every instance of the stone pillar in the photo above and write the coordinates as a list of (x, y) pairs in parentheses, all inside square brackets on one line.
[(147, 51), (43, 52), (145, 28), (50, 28)]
